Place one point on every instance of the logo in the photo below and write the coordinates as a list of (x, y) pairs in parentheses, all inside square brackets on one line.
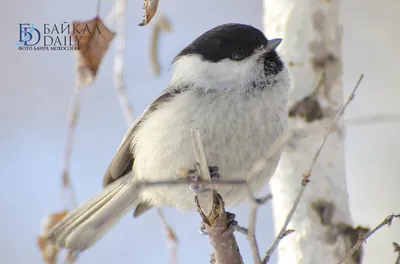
[(62, 36), (28, 35)]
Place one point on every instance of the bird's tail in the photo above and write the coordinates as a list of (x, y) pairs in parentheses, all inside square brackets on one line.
[(90, 221)]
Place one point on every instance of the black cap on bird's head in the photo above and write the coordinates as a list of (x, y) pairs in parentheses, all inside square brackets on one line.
[(229, 55), (235, 42)]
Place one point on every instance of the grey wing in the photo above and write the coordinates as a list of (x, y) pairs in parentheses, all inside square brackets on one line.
[(123, 160)]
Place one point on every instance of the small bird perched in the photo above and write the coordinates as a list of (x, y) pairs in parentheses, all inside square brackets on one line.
[(232, 86)]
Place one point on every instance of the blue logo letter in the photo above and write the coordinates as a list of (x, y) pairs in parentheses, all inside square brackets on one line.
[(26, 34)]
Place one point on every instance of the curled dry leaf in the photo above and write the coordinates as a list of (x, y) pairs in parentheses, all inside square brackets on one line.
[(49, 251), (396, 247), (150, 9), (162, 24), (92, 39)]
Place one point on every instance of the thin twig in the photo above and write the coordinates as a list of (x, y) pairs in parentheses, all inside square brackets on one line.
[(200, 156), (73, 113), (337, 117), (275, 244), (126, 107), (201, 183), (251, 231), (172, 240), (387, 222), (241, 229), (251, 235), (120, 42), (306, 176), (379, 118)]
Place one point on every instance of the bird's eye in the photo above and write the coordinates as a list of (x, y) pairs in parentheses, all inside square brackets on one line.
[(238, 55)]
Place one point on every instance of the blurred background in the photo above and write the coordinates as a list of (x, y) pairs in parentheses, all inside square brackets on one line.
[(38, 85)]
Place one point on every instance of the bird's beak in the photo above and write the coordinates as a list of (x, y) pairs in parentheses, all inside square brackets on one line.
[(273, 44)]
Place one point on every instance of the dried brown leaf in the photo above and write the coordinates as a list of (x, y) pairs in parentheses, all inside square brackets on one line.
[(92, 38), (49, 251), (162, 24), (150, 9), (396, 247)]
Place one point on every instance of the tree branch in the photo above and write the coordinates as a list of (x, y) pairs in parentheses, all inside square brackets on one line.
[(387, 222), (126, 107), (120, 42), (218, 222), (251, 234), (226, 249), (378, 118), (306, 176), (172, 240), (73, 113)]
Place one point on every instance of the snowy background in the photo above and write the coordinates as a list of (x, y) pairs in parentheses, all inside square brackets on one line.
[(37, 87)]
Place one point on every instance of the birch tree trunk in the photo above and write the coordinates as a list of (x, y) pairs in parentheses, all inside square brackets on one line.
[(311, 47)]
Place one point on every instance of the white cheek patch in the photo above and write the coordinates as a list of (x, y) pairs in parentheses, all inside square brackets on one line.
[(223, 75)]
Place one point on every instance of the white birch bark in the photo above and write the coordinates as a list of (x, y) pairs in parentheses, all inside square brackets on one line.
[(312, 33)]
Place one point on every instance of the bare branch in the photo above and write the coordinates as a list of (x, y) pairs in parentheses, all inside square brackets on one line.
[(73, 113), (200, 156), (387, 222), (127, 109), (251, 234), (241, 229), (172, 240), (226, 249), (306, 176), (275, 244), (120, 42), (379, 118), (337, 117), (217, 224), (201, 183)]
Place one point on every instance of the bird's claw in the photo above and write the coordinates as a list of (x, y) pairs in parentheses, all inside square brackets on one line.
[(195, 176), (214, 173), (203, 229), (231, 221), (197, 189)]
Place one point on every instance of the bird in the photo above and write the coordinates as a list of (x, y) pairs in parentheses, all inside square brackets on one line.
[(232, 86)]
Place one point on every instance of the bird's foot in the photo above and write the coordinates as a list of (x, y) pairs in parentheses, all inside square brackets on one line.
[(231, 223), (214, 173), (218, 219), (194, 175)]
